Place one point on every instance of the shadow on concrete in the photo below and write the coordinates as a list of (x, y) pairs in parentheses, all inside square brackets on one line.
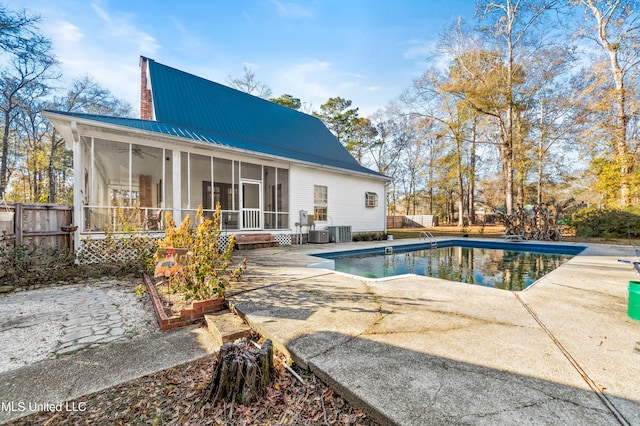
[(300, 300), (54, 381), (423, 351), (412, 387)]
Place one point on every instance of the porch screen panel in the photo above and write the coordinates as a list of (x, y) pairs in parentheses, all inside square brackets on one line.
[(146, 167), (276, 198), (113, 195), (184, 188), (88, 191), (200, 172), (282, 199), (236, 182), (112, 159), (89, 185), (251, 171), (166, 192), (224, 192), (269, 197)]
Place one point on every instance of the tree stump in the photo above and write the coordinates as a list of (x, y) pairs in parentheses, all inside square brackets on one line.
[(241, 374)]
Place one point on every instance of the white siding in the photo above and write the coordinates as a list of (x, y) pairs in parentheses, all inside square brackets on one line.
[(345, 191), (346, 198)]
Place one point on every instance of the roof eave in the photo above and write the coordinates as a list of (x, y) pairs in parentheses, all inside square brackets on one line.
[(67, 134)]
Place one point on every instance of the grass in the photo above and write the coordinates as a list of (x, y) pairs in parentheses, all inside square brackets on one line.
[(496, 231)]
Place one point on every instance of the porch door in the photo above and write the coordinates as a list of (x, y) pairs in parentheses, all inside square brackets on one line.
[(251, 204)]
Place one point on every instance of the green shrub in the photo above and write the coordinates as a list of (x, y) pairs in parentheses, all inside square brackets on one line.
[(208, 267), (369, 236), (606, 223)]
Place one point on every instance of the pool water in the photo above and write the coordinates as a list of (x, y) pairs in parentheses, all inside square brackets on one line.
[(508, 266)]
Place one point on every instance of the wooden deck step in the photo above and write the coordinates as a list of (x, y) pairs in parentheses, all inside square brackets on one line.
[(254, 241)]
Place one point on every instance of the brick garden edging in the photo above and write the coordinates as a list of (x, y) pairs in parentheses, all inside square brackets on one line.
[(187, 316)]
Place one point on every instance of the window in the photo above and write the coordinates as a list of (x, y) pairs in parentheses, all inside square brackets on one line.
[(319, 203), (371, 199)]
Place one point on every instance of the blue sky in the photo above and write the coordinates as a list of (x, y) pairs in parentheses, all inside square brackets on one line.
[(364, 50)]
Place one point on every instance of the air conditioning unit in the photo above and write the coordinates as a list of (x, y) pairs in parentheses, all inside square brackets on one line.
[(339, 234), (319, 237)]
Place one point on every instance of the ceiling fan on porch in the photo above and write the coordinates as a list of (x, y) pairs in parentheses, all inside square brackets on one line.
[(137, 151)]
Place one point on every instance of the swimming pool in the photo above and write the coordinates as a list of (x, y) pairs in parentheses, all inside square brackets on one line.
[(508, 266)]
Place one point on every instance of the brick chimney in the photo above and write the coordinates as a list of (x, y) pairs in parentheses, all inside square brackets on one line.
[(146, 100)]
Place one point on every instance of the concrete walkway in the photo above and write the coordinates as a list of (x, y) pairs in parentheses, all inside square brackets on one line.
[(417, 350)]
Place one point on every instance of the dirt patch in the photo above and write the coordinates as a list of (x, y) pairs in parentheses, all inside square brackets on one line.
[(172, 302), (174, 310)]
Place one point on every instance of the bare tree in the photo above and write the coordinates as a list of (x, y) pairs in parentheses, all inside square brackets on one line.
[(24, 79), (250, 84), (616, 30), (84, 95), (23, 82), (19, 34), (391, 138), (30, 154), (509, 25)]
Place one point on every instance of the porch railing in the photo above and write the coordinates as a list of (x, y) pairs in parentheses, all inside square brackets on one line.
[(115, 219), (251, 218)]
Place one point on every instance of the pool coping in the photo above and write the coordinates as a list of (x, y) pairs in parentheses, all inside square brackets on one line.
[(329, 263), (448, 353)]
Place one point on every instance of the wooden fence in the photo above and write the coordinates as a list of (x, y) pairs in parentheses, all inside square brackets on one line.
[(37, 225)]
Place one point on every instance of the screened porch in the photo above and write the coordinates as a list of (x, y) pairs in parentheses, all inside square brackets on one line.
[(130, 187)]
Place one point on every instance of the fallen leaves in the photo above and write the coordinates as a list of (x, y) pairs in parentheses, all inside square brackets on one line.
[(174, 397)]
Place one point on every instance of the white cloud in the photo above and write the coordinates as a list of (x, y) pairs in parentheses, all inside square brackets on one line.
[(185, 38), (314, 81), (417, 49), (104, 45), (349, 85), (118, 29), (66, 32), (292, 10), (250, 65), (100, 12), (306, 80)]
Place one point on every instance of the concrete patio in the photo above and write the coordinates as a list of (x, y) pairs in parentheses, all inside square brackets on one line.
[(417, 350), (409, 351)]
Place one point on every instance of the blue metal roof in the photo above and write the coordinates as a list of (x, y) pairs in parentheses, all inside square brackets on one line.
[(222, 141), (194, 108)]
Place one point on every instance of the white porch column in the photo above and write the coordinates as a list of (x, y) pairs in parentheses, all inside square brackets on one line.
[(177, 188), (78, 167)]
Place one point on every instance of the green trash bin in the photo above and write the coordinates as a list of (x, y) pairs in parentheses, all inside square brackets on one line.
[(634, 300)]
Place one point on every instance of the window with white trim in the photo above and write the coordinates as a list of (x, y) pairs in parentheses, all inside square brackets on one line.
[(320, 203), (370, 199)]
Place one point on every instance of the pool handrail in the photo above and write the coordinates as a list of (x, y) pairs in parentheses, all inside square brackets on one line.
[(429, 237)]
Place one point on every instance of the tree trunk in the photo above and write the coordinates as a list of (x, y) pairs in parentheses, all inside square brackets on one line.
[(241, 374), (5, 154), (619, 134), (472, 176), (51, 168), (460, 181)]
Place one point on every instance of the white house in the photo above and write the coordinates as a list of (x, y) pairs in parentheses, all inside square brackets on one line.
[(198, 142)]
